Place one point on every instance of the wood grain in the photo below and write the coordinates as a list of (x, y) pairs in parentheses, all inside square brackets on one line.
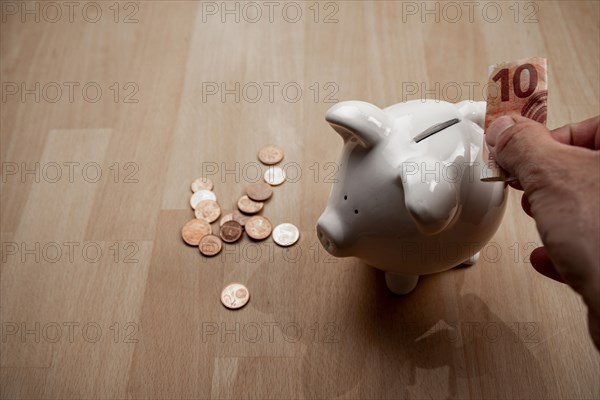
[(132, 312)]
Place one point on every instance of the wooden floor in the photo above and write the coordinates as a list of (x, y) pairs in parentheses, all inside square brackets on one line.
[(105, 124)]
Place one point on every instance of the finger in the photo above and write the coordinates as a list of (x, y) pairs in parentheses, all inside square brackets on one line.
[(521, 146), (583, 134), (525, 204), (542, 264)]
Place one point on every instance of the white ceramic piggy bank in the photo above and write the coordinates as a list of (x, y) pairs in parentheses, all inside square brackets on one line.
[(408, 197)]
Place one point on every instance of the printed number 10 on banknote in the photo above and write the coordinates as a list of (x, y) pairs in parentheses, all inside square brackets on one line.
[(514, 88)]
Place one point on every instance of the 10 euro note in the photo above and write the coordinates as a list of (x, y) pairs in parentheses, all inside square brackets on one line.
[(514, 88)]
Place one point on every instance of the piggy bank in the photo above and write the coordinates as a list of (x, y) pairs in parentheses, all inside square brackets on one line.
[(407, 197)]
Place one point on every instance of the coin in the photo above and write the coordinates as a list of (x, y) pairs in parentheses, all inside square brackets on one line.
[(194, 230), (202, 184), (274, 176), (249, 206), (201, 195), (240, 217), (285, 234), (270, 155), (225, 218), (208, 210), (258, 227), (235, 295), (259, 191), (210, 245), (231, 231)]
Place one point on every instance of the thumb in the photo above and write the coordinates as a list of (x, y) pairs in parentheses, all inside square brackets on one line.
[(521, 146)]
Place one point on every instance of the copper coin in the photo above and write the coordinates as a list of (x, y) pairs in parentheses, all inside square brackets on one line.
[(225, 218), (285, 234), (235, 295), (202, 184), (240, 218), (249, 206), (259, 191), (194, 230), (210, 245), (270, 155), (231, 231), (208, 210), (274, 176), (201, 195), (258, 227)]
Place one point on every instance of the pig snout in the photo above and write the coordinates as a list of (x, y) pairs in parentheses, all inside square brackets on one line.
[(331, 234)]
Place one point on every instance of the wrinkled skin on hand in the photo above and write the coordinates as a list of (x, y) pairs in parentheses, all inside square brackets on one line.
[(559, 172)]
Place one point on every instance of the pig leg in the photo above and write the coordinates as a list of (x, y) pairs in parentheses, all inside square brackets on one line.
[(401, 284), (431, 200)]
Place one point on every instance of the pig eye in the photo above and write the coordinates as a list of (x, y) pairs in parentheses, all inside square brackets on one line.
[(355, 211), (345, 197)]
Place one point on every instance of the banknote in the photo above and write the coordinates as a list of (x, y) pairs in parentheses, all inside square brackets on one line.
[(514, 88)]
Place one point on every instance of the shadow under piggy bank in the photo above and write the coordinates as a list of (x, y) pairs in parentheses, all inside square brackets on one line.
[(402, 347), (385, 346), (408, 197)]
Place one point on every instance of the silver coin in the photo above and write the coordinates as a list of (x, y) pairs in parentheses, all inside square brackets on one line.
[(202, 195), (274, 176), (285, 234)]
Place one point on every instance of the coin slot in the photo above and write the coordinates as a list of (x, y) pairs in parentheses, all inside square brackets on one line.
[(435, 129)]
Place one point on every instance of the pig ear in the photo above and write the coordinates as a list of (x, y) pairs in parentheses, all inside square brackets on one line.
[(430, 199), (360, 121), (473, 111)]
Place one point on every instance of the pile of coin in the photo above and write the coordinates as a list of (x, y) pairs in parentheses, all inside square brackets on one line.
[(199, 232)]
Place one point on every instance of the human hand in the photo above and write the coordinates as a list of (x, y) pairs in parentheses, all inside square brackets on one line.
[(559, 172)]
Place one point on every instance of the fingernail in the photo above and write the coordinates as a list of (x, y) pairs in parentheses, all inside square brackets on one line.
[(497, 128)]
